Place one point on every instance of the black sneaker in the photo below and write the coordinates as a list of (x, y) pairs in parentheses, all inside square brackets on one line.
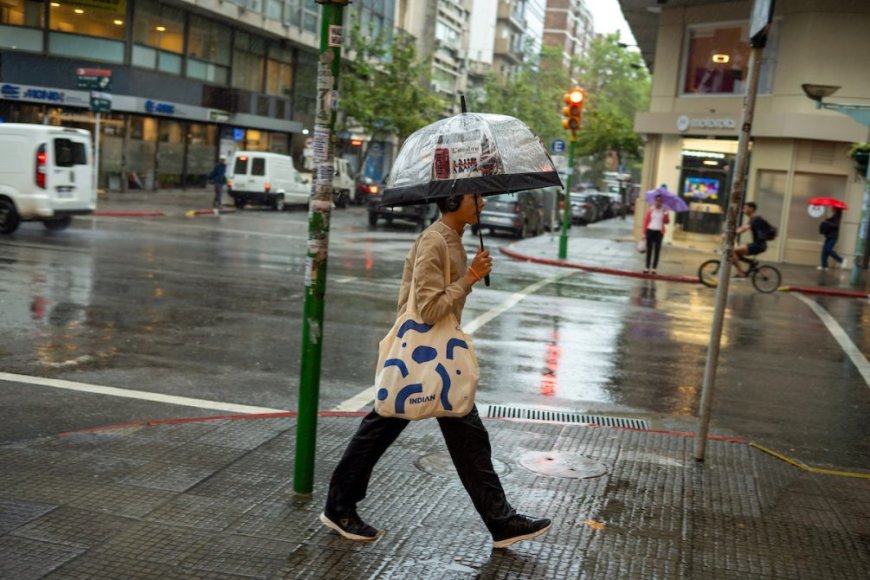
[(518, 528), (350, 526)]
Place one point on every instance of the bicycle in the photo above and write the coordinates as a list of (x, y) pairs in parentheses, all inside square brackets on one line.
[(765, 278)]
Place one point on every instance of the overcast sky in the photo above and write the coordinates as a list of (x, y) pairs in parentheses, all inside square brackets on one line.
[(607, 16)]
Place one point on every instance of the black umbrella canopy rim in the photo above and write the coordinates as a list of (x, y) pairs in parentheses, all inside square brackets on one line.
[(484, 185)]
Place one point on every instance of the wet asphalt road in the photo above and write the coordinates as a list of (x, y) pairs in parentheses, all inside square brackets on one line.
[(210, 308)]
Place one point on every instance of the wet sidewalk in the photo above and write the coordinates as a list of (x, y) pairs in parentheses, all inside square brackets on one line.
[(608, 247), (213, 499)]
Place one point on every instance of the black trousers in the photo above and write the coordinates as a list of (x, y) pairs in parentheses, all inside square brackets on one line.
[(467, 441), (653, 244)]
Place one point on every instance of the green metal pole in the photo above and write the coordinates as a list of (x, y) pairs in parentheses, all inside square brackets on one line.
[(566, 217), (319, 209), (861, 239)]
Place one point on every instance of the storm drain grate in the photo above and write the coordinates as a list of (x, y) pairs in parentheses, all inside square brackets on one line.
[(506, 412)]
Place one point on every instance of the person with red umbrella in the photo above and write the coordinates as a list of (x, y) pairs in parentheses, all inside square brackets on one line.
[(830, 228)]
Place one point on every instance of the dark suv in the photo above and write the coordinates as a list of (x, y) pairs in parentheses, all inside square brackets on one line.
[(423, 214)]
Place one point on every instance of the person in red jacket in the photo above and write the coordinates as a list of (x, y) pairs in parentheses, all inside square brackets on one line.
[(654, 230)]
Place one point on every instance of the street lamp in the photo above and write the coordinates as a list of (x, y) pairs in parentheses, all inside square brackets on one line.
[(860, 112)]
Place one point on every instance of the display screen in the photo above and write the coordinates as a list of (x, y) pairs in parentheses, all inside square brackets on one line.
[(701, 188)]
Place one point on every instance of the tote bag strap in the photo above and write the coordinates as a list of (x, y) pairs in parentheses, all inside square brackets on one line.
[(412, 293)]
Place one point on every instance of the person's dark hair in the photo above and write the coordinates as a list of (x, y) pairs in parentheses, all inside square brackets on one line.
[(449, 204), (752, 204)]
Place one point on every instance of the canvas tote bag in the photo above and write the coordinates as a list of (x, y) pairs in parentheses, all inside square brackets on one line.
[(425, 370)]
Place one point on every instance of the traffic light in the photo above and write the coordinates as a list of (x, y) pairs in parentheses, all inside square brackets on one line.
[(573, 110)]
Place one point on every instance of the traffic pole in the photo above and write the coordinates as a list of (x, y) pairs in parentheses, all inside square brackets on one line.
[(738, 189), (860, 261), (319, 208), (566, 217)]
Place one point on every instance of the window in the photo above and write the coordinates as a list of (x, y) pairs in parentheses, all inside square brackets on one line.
[(88, 31), (248, 61), (241, 166), (68, 153), (158, 36), (208, 50), (258, 167), (717, 60), (21, 22), (107, 21), (309, 15), (806, 185), (279, 72)]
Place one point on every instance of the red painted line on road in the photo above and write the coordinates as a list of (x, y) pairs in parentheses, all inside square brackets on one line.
[(599, 270), (142, 213), (826, 291)]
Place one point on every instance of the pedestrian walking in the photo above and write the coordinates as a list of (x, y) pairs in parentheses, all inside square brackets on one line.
[(830, 228), (467, 439), (218, 177), (653, 231)]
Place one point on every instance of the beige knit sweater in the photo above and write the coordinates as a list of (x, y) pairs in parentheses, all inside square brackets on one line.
[(427, 260)]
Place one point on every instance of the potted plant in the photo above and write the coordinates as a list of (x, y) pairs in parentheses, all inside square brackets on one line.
[(860, 154)]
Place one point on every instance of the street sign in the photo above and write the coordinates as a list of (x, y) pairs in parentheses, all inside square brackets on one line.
[(557, 146), (759, 25), (218, 116), (101, 102), (94, 79)]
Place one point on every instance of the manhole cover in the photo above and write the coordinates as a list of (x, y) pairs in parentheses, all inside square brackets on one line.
[(567, 465), (441, 465)]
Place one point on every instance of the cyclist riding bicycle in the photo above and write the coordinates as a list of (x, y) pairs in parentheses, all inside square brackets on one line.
[(760, 234)]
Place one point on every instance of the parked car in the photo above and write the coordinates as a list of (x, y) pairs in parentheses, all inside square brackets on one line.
[(584, 209), (519, 214), (46, 174), (257, 177), (423, 214)]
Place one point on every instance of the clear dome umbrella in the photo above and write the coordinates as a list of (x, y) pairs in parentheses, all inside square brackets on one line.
[(478, 153)]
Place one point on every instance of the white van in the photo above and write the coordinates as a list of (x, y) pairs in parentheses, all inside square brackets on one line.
[(45, 175), (343, 187), (264, 178)]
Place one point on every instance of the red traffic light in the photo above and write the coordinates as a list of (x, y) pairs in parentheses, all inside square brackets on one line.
[(573, 113), (576, 96)]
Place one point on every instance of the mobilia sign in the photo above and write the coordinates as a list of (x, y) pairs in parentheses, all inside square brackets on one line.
[(684, 123)]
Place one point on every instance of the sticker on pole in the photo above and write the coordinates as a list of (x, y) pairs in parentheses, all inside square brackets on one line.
[(335, 36)]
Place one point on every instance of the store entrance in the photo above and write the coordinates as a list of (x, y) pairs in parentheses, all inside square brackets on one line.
[(706, 173)]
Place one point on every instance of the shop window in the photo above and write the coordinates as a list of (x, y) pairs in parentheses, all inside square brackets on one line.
[(256, 140), (717, 60), (806, 185), (158, 36), (201, 148), (770, 196), (21, 22), (304, 90), (249, 54), (208, 50), (170, 153)]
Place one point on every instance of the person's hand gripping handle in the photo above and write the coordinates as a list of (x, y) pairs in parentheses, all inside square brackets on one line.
[(480, 267)]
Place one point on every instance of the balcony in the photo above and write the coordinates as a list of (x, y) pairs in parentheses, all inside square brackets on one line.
[(514, 18)]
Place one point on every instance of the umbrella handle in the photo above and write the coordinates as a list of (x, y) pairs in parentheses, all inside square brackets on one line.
[(479, 230)]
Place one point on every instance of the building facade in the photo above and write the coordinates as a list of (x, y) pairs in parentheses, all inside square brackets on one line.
[(699, 54), (568, 25), (190, 80)]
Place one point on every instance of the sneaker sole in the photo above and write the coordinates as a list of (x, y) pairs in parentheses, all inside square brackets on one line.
[(509, 541), (347, 535)]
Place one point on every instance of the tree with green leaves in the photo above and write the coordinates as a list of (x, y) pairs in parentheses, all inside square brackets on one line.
[(617, 87), (384, 87)]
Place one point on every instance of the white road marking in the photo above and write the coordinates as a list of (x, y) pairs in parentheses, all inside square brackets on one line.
[(140, 395), (366, 397), (855, 354)]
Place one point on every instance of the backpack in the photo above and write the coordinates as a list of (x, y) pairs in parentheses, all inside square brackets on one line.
[(768, 230)]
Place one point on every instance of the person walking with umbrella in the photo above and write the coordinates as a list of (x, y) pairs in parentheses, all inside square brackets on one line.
[(654, 230), (437, 251), (830, 228)]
